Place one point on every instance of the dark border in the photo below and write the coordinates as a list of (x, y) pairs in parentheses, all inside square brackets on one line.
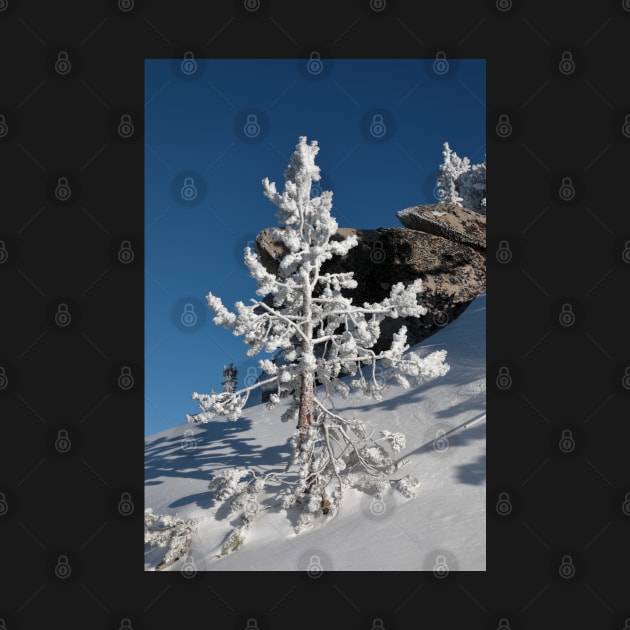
[(553, 200)]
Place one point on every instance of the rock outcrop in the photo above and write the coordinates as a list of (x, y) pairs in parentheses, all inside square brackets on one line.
[(452, 222), (443, 244)]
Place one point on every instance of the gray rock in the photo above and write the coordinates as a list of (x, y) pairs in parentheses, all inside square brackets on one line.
[(448, 255), (448, 220)]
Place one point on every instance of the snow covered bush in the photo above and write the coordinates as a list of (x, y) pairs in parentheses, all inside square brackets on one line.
[(320, 335), (169, 532), (460, 182)]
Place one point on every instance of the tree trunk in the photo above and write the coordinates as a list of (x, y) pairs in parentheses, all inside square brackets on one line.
[(304, 421), (307, 378), (306, 405)]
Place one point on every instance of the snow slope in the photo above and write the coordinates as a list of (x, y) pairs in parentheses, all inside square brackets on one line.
[(443, 528)]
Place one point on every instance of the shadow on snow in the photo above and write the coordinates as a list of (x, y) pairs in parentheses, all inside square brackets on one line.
[(216, 442), (219, 444)]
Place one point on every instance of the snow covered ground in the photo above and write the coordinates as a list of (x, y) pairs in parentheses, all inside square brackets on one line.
[(441, 529)]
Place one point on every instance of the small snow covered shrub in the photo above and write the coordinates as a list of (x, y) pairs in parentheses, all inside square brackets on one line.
[(169, 532)]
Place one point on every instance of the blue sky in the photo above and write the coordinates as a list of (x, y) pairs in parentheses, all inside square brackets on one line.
[(214, 128)]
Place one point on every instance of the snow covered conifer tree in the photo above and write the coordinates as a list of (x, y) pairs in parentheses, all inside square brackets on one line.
[(472, 185), (320, 335), (460, 182), (450, 170), (229, 378)]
